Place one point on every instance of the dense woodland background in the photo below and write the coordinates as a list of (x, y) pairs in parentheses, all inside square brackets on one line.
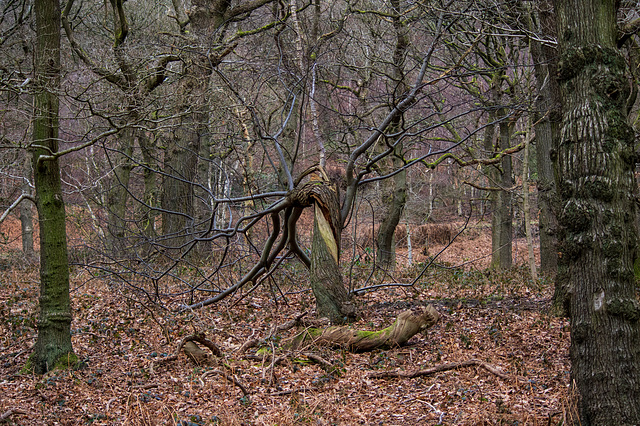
[(231, 171)]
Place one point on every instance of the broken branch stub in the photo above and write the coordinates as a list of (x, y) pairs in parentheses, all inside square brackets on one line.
[(405, 326)]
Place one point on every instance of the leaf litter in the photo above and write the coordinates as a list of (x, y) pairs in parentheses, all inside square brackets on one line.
[(497, 318)]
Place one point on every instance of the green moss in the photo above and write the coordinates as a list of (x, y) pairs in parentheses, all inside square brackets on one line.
[(67, 361), (263, 351), (625, 308), (307, 335), (636, 268), (27, 368), (363, 334)]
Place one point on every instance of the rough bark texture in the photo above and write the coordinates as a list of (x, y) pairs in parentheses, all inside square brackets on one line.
[(405, 326), (180, 166), (500, 178), (599, 238), (396, 202), (54, 321)]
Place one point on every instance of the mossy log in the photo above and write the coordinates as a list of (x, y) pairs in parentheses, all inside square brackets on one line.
[(405, 326)]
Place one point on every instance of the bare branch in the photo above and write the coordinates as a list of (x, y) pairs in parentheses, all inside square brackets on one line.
[(15, 204)]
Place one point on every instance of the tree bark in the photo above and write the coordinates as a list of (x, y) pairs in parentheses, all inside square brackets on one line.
[(599, 237), (326, 275), (386, 234), (54, 321), (499, 177), (180, 166), (525, 209)]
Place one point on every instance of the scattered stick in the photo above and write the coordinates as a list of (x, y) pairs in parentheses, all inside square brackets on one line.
[(439, 368), (147, 386), (303, 389), (326, 365), (247, 345), (226, 376), (10, 412)]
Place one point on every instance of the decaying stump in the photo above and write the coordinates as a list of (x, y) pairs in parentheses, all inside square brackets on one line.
[(405, 326)]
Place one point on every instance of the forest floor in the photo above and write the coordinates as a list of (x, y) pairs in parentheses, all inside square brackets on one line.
[(498, 318)]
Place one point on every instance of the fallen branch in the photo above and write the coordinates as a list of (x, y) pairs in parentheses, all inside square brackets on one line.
[(405, 326), (439, 368)]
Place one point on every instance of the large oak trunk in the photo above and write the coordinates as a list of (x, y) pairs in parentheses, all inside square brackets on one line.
[(599, 238)]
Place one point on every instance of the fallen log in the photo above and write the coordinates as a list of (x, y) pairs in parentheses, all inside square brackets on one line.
[(405, 326)]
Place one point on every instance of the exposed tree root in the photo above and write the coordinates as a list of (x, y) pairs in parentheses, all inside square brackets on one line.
[(406, 325), (192, 350), (439, 368)]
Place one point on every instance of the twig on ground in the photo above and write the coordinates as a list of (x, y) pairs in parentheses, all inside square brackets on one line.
[(226, 376), (290, 391), (439, 368), (326, 365)]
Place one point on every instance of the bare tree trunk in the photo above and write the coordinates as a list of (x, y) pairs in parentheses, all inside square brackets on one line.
[(547, 119), (599, 237), (386, 235), (54, 320), (180, 166), (504, 207), (404, 327), (118, 194), (526, 207)]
